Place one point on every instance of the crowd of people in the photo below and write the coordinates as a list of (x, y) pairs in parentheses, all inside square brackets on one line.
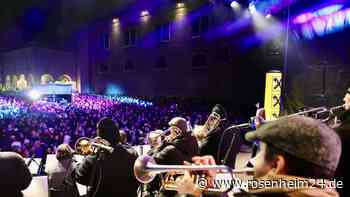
[(31, 127), (293, 149)]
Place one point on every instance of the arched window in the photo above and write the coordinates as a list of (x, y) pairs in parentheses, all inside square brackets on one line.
[(65, 79), (46, 78)]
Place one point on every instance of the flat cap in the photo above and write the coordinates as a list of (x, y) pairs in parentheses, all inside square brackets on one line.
[(302, 137)]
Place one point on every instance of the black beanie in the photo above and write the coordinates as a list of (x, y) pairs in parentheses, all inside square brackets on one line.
[(219, 109), (108, 130)]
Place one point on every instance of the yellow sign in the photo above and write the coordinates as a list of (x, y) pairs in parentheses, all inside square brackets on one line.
[(273, 89)]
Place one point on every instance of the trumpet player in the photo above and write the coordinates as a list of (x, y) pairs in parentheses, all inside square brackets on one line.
[(155, 138), (344, 132), (177, 147), (217, 140), (291, 149), (109, 174)]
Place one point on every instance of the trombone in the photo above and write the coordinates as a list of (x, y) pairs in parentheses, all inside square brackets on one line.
[(145, 170), (87, 146)]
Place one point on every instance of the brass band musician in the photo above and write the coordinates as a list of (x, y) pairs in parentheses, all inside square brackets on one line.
[(217, 141), (343, 131), (108, 174), (177, 147), (291, 149)]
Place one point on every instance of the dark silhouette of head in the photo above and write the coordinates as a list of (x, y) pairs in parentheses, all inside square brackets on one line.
[(108, 130)]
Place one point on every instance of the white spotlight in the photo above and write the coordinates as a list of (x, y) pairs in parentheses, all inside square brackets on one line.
[(144, 13), (268, 16), (180, 5), (115, 20), (34, 94), (252, 8), (234, 5)]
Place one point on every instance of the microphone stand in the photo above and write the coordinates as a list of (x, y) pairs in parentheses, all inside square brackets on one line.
[(233, 139), (41, 169), (31, 160)]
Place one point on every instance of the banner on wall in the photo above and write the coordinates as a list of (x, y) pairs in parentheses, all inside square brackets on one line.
[(273, 90)]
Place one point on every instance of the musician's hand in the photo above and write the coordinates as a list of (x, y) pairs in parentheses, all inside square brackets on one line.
[(259, 117), (205, 160), (185, 185), (102, 141)]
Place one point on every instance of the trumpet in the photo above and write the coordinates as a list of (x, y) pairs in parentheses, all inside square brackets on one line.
[(323, 114), (145, 170), (87, 146)]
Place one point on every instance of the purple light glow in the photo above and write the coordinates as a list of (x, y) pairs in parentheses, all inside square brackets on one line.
[(328, 10), (323, 25), (307, 31), (339, 19), (303, 18), (229, 28), (272, 6), (319, 26)]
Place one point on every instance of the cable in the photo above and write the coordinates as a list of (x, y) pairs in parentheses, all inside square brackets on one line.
[(286, 46)]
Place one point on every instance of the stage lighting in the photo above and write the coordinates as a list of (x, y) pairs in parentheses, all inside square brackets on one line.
[(115, 20), (252, 8), (268, 16), (144, 13), (234, 5), (34, 94), (180, 5), (328, 10), (303, 18)]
